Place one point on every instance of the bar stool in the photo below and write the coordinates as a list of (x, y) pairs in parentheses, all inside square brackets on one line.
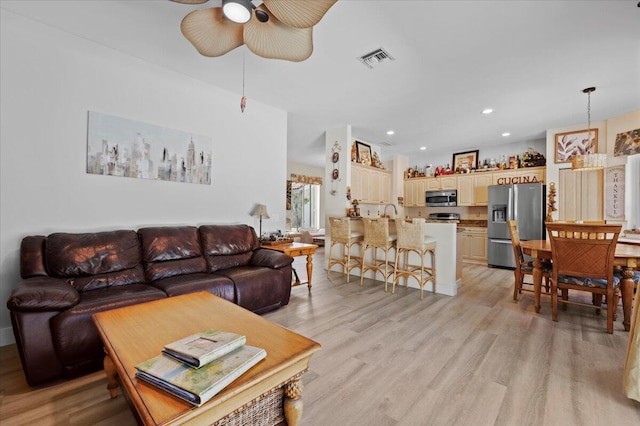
[(411, 238), (377, 237), (341, 233)]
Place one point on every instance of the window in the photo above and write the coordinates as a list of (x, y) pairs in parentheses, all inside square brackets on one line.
[(305, 205)]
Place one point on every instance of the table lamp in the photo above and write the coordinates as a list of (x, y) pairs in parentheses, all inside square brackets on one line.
[(260, 210)]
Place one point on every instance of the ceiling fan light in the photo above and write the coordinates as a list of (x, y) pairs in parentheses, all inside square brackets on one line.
[(237, 10)]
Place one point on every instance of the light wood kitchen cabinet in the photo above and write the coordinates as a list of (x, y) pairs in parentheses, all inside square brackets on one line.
[(481, 183), (581, 195), (370, 185), (466, 196), (433, 184), (473, 189), (473, 243), (414, 190), (442, 183)]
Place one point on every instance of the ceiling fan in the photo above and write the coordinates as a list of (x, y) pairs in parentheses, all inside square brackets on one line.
[(276, 29)]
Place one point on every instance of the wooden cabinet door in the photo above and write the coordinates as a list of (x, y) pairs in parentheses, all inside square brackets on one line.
[(356, 183), (481, 183), (581, 195), (409, 199), (592, 193), (478, 245), (420, 189), (385, 187), (464, 244), (465, 191), (432, 184), (448, 182)]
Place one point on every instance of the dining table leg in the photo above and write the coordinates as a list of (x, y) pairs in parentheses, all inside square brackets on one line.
[(626, 288), (537, 281)]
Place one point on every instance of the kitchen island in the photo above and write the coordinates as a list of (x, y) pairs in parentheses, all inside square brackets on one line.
[(448, 256)]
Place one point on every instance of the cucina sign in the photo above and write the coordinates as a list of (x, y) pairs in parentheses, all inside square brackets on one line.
[(508, 180)]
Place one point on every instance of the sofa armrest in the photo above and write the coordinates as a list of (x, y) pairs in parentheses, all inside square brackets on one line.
[(270, 258), (39, 294)]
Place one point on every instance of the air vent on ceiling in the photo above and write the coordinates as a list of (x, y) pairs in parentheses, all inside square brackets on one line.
[(376, 57), (385, 143)]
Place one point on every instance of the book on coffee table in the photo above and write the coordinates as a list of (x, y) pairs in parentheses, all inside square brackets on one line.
[(197, 386), (201, 348)]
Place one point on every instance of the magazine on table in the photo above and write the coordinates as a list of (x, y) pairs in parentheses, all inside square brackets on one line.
[(197, 386), (201, 348)]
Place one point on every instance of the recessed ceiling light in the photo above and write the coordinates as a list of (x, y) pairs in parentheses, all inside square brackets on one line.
[(390, 132), (487, 111), (505, 134), (423, 148)]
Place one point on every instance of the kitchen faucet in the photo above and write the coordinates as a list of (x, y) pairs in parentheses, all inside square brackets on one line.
[(394, 209)]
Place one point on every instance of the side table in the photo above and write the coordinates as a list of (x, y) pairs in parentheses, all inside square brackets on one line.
[(295, 250)]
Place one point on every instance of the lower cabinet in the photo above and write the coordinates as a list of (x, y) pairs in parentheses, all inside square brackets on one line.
[(473, 243)]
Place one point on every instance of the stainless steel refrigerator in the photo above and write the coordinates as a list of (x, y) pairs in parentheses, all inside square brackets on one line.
[(526, 204)]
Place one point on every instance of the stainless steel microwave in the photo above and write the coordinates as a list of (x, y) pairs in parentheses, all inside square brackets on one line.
[(448, 198)]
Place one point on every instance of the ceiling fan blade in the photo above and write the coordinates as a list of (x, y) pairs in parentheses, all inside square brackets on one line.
[(190, 1), (275, 40), (298, 13), (210, 33)]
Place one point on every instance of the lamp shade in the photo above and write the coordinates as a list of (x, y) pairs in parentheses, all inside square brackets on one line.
[(260, 210), (589, 161)]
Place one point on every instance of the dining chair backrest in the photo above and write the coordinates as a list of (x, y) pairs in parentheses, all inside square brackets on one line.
[(583, 250), (515, 241)]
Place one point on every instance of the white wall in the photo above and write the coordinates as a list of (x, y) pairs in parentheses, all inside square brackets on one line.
[(50, 79)]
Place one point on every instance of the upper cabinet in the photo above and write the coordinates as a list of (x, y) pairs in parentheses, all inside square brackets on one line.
[(370, 185), (473, 188)]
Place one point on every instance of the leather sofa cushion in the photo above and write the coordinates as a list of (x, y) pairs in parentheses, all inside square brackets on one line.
[(39, 294), (95, 260), (32, 257), (75, 336), (259, 289), (182, 284), (228, 246), (168, 251)]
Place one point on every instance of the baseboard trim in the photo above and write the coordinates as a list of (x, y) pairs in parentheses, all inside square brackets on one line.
[(6, 336)]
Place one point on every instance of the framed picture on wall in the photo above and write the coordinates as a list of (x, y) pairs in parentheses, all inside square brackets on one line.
[(364, 153), (465, 160), (579, 142)]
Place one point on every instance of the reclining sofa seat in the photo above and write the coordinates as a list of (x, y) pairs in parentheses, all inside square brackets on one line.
[(68, 277)]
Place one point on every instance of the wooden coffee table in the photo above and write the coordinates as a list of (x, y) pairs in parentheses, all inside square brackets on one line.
[(294, 250), (136, 333)]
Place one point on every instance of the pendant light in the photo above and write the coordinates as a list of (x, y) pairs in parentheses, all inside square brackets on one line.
[(589, 160)]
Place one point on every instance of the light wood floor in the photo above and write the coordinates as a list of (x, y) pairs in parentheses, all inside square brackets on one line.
[(475, 359)]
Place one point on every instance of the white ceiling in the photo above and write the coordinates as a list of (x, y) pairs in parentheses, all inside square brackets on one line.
[(528, 60)]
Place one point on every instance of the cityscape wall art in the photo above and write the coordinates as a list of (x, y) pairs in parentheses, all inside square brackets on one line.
[(119, 146)]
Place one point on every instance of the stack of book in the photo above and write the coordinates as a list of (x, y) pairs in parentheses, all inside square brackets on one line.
[(199, 366)]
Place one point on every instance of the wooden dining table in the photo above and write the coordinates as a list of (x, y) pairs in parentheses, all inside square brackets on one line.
[(627, 257)]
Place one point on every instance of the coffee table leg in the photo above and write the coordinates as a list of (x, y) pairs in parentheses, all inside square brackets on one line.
[(293, 402), (112, 376), (309, 270)]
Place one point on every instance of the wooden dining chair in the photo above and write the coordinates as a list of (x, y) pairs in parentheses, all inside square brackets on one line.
[(524, 267), (583, 256)]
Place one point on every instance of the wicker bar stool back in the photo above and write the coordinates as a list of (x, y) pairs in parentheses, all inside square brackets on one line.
[(412, 238), (377, 238), (341, 234)]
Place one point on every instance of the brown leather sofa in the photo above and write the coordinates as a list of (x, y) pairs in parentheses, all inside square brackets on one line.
[(68, 277)]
